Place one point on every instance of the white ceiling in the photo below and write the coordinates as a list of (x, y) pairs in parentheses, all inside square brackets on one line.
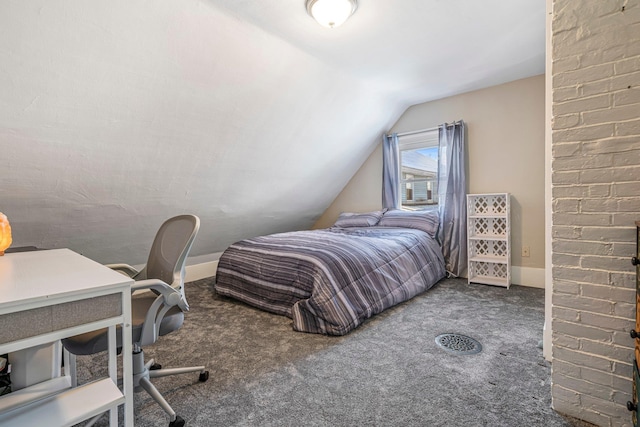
[(415, 50)]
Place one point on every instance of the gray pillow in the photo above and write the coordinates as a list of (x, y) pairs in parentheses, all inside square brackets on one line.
[(349, 219), (426, 221)]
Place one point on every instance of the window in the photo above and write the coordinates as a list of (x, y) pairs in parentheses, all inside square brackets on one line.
[(419, 170)]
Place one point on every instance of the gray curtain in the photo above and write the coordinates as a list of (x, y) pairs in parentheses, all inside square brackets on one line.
[(390, 171), (452, 197)]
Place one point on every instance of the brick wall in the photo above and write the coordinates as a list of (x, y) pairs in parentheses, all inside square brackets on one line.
[(596, 200)]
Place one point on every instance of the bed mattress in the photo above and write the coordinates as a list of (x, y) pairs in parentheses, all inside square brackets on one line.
[(329, 281)]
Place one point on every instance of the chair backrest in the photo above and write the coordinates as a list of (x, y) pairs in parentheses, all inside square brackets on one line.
[(170, 249)]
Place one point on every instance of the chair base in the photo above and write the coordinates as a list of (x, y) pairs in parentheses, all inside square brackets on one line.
[(143, 372)]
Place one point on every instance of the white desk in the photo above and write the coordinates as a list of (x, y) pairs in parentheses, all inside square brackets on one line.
[(49, 295)]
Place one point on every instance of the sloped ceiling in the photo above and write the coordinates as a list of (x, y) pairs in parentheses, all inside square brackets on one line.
[(117, 115), (415, 50)]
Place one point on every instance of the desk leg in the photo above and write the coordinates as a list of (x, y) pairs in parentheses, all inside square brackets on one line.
[(127, 366), (113, 371)]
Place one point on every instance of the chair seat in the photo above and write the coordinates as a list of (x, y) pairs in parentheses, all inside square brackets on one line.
[(97, 341)]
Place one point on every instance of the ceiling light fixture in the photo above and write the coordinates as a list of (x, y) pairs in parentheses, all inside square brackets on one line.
[(331, 13)]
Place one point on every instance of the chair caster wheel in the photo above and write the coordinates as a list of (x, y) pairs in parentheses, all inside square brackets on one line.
[(155, 367), (203, 376), (178, 422)]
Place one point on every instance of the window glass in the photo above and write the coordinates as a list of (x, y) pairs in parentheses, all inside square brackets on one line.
[(419, 171)]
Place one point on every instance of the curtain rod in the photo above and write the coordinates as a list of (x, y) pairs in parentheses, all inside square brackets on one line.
[(413, 132)]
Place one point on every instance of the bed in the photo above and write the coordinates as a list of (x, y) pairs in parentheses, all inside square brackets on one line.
[(329, 281)]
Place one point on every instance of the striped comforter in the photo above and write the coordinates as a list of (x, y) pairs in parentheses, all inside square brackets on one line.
[(329, 281)]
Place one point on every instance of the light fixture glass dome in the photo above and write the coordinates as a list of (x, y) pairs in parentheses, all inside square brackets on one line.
[(331, 13)]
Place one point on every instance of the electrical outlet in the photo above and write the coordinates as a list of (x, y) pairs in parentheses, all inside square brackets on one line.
[(525, 251)]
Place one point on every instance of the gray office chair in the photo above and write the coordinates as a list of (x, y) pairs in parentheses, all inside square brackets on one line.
[(157, 310)]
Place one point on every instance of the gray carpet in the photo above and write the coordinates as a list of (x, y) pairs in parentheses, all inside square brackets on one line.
[(387, 372)]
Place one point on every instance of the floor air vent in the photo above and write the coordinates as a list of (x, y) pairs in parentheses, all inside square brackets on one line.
[(458, 344)]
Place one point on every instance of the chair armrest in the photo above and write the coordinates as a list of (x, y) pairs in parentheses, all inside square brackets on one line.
[(167, 297), (125, 269), (169, 294)]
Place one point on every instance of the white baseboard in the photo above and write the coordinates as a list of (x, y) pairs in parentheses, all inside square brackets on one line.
[(523, 276), (200, 271), (528, 276)]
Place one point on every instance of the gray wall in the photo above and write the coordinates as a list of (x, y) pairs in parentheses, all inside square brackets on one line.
[(117, 115), (596, 200)]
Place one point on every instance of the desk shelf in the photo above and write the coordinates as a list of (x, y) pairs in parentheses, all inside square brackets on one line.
[(66, 408), (33, 393)]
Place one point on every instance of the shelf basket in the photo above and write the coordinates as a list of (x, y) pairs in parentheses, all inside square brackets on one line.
[(488, 248), (484, 227), (488, 204), (489, 269)]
